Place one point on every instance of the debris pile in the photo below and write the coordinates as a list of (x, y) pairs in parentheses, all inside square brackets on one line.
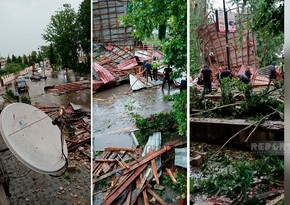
[(115, 64), (123, 176), (68, 87), (77, 127)]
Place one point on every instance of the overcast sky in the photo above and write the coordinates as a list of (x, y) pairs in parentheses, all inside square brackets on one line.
[(22, 24)]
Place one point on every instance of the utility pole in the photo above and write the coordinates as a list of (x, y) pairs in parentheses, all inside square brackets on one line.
[(226, 32)]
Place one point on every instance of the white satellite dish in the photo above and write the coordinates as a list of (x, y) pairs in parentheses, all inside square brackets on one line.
[(33, 139)]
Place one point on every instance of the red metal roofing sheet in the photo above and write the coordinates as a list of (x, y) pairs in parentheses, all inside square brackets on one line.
[(127, 64), (103, 73)]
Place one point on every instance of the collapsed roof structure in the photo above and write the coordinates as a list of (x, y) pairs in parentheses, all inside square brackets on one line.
[(241, 43), (107, 29), (241, 46), (118, 56)]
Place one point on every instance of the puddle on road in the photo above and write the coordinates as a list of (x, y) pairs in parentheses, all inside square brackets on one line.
[(39, 97), (112, 111)]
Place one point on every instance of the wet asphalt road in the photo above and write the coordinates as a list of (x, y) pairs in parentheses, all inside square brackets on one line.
[(39, 97), (112, 110)]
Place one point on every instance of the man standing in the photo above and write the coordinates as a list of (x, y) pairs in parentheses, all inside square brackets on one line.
[(148, 70), (272, 73), (248, 73), (166, 74), (155, 68), (207, 77), (183, 83)]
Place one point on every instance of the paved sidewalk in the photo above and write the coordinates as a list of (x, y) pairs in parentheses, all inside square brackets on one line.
[(29, 187)]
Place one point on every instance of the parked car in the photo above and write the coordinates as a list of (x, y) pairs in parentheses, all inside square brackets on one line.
[(35, 77), (21, 85)]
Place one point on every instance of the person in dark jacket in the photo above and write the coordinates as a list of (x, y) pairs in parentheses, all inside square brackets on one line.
[(183, 83), (243, 78), (248, 73), (272, 73), (207, 78), (166, 74), (148, 70)]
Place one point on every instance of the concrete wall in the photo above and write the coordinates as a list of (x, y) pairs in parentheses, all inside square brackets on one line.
[(220, 130), (10, 77)]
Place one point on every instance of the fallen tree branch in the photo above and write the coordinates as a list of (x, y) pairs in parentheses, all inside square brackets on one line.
[(258, 123), (223, 106)]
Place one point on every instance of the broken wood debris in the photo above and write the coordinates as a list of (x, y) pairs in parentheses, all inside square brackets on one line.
[(68, 87), (126, 175), (77, 128)]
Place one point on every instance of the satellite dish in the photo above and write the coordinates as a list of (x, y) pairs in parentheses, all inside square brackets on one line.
[(30, 135)]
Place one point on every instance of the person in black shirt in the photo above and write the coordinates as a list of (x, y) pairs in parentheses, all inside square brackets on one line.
[(166, 74), (223, 74), (148, 70), (248, 73), (207, 77), (183, 83), (272, 73), (243, 78)]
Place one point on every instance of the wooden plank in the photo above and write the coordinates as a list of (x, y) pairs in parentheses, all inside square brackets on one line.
[(158, 198), (153, 165), (120, 189), (138, 182), (147, 159), (171, 175), (118, 149), (147, 183), (145, 196)]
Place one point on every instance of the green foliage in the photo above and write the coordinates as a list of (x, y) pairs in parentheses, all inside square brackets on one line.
[(62, 32), (161, 122), (179, 106), (145, 16), (197, 100), (181, 183), (25, 99), (12, 68), (84, 37), (233, 177), (9, 94), (196, 16), (254, 106), (66, 176), (266, 19)]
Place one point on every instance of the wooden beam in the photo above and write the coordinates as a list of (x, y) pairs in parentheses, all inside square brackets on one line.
[(147, 158), (153, 165), (120, 189), (158, 198)]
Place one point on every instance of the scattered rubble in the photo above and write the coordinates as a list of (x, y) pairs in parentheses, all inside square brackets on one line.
[(68, 87), (122, 175)]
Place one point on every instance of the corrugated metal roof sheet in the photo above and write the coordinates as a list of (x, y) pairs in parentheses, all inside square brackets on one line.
[(127, 64), (135, 83), (103, 73)]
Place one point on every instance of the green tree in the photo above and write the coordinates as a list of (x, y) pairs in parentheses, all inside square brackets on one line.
[(19, 59), (14, 59), (145, 16), (84, 37), (33, 57), (197, 14), (9, 59), (266, 19), (62, 32), (25, 60), (52, 56)]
